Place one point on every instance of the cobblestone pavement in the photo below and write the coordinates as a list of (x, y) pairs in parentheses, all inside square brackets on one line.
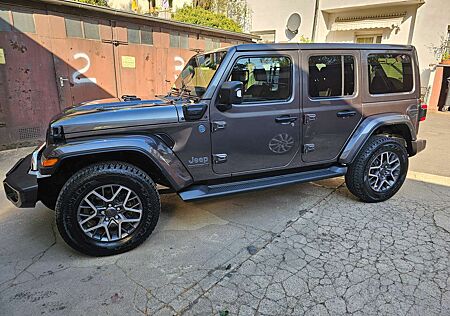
[(303, 249)]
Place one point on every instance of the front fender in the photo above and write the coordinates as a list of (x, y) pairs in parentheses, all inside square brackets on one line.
[(153, 147), (367, 128)]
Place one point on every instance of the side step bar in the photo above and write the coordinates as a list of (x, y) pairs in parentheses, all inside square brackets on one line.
[(197, 192)]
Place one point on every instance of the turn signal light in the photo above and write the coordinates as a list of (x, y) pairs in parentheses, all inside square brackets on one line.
[(50, 162)]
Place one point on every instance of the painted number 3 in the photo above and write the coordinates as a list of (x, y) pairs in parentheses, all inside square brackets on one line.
[(76, 75)]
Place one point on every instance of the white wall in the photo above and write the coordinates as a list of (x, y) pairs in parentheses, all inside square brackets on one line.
[(273, 15), (433, 19)]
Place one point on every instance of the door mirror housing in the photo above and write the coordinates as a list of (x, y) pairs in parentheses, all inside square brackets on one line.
[(230, 93)]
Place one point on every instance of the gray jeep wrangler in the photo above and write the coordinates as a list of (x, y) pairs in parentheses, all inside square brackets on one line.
[(237, 119)]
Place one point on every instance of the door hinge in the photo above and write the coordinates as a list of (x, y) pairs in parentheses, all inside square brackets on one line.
[(219, 158), (217, 125), (307, 148), (308, 118)]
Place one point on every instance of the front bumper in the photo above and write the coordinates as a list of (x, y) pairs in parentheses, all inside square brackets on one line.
[(21, 188), (418, 146)]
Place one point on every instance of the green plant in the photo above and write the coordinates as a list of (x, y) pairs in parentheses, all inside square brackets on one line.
[(304, 39), (446, 55), (103, 3), (200, 16)]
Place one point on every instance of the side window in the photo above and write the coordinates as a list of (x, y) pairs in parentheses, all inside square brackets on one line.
[(331, 76), (265, 78), (390, 73)]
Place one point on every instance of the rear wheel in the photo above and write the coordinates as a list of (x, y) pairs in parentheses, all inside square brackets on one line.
[(379, 170), (107, 208)]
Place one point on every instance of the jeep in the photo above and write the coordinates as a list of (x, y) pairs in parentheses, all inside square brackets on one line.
[(237, 119)]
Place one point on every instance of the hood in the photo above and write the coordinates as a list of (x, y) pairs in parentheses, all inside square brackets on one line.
[(111, 113)]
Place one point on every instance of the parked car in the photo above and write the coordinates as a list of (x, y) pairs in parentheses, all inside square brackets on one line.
[(237, 119)]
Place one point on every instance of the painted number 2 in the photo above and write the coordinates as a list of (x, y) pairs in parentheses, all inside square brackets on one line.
[(75, 76), (179, 65)]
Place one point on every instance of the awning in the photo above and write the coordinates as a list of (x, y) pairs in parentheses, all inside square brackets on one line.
[(389, 21)]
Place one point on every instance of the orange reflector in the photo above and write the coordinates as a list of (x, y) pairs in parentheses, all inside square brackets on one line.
[(50, 162)]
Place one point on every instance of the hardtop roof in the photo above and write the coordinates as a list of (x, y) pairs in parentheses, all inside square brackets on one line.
[(317, 46)]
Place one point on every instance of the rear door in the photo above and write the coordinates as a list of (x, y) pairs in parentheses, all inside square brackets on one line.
[(331, 102), (263, 132)]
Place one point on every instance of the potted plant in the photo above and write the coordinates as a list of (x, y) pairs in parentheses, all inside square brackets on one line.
[(442, 51)]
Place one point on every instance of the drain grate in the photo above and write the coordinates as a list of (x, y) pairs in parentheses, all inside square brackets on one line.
[(29, 133)]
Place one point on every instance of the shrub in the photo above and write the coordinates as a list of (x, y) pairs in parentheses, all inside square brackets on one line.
[(200, 16)]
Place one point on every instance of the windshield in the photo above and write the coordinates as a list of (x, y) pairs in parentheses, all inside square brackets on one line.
[(198, 73)]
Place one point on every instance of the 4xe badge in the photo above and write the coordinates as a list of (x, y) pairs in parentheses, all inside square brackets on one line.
[(198, 161)]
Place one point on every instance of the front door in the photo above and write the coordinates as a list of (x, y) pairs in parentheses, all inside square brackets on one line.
[(263, 132), (331, 102)]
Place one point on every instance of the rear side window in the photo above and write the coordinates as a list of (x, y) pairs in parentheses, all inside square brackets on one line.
[(331, 76), (390, 73), (265, 78)]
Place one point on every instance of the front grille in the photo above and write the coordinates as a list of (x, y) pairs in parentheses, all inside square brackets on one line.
[(11, 193)]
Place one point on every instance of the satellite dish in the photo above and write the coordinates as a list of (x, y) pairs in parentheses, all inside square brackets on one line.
[(293, 23)]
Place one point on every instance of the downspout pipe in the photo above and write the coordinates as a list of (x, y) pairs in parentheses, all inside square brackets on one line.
[(316, 14)]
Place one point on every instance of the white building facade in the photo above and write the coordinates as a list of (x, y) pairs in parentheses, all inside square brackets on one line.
[(422, 23)]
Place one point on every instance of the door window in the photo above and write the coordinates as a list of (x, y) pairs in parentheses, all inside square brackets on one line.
[(331, 76), (265, 78), (390, 73)]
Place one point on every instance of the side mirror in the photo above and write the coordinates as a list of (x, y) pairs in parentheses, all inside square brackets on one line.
[(230, 93)]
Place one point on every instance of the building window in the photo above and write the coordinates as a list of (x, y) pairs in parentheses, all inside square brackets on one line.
[(73, 28), (23, 22), (390, 73), (184, 41), (265, 78), (266, 36), (5, 23), (82, 29), (91, 30), (369, 39), (211, 44), (174, 40), (137, 36), (133, 36), (179, 40), (331, 76)]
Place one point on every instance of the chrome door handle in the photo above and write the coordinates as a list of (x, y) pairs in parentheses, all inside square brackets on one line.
[(345, 114), (285, 119)]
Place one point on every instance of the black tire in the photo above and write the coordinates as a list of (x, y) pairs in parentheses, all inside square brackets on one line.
[(91, 177), (357, 177)]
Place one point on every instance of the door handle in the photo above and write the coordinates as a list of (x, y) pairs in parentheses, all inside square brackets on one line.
[(345, 114), (61, 81), (285, 119)]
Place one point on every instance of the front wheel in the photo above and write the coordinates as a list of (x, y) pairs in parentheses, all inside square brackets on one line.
[(107, 208), (379, 170)]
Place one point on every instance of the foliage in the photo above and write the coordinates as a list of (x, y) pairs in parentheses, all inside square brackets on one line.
[(237, 10), (305, 40), (200, 16), (103, 3), (441, 51)]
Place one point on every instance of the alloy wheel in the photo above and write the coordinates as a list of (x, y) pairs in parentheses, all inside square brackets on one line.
[(109, 213), (384, 171)]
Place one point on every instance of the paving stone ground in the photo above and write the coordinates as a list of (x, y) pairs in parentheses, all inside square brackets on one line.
[(308, 249)]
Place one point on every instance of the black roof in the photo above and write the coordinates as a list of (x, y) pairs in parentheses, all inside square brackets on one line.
[(337, 46)]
